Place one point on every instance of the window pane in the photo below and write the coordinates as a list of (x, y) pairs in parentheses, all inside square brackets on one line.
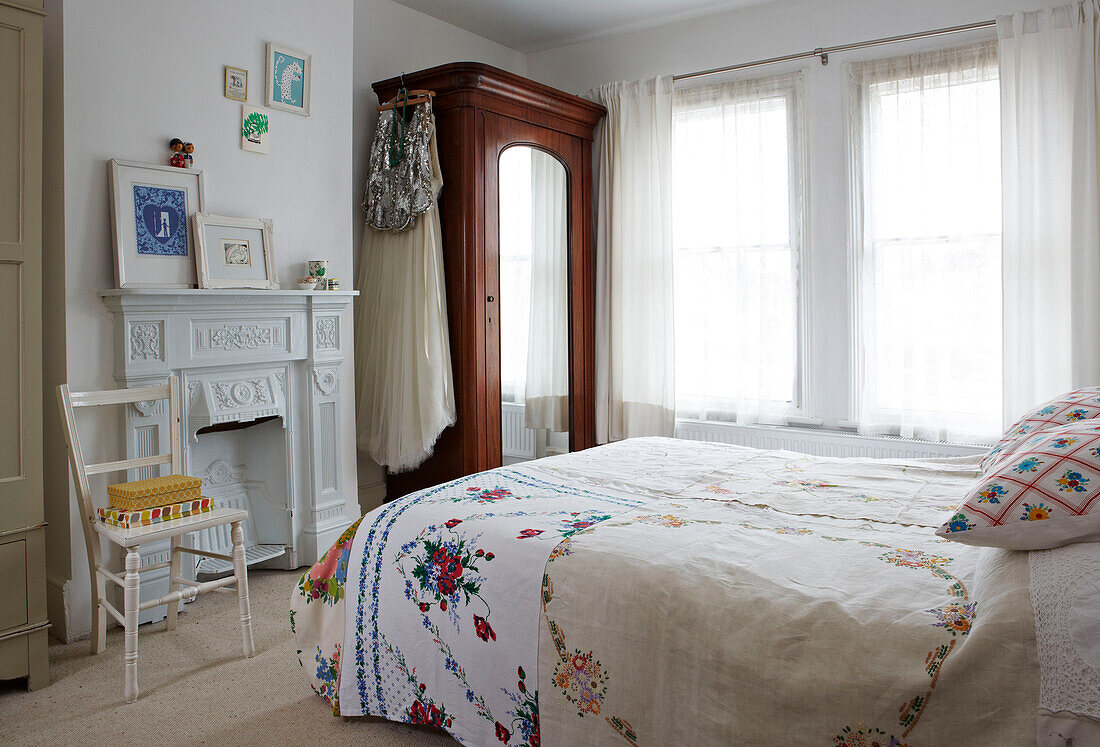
[(930, 256), (736, 231)]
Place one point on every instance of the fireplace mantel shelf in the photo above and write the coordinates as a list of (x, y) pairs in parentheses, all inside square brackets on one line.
[(219, 292)]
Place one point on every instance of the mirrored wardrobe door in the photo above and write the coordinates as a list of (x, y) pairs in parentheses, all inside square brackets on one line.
[(533, 307)]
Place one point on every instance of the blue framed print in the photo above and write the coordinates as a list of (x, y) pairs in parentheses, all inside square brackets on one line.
[(151, 207), (288, 79), (160, 221)]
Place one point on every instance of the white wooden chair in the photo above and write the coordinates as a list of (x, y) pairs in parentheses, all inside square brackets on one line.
[(132, 539)]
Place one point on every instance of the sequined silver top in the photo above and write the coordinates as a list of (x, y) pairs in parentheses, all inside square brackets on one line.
[(397, 194)]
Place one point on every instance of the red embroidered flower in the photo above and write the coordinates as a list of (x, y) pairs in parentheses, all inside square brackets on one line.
[(440, 555), (443, 604), (489, 556), (453, 523), (417, 714), (434, 715), (425, 607), (528, 533), (483, 629), (503, 734), (479, 553), (452, 568), (447, 586)]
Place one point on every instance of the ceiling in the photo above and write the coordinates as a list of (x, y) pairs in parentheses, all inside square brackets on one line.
[(534, 25)]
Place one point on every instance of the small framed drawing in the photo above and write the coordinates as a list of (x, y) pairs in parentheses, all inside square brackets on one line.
[(288, 72), (254, 129), (234, 252), (150, 207), (236, 83)]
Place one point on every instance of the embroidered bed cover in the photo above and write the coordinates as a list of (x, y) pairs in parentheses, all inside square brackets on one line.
[(656, 591)]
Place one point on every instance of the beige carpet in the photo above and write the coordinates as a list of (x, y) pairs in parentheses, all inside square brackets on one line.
[(196, 688)]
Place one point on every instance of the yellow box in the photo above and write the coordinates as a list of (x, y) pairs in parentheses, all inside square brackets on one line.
[(156, 491)]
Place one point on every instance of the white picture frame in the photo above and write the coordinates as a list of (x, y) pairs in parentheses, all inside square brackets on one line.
[(286, 69), (234, 252), (151, 209)]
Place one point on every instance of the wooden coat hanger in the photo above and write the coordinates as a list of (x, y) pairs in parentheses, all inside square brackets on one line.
[(415, 97)]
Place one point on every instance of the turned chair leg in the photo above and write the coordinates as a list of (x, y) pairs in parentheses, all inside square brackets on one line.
[(240, 571), (175, 571), (131, 601), (99, 615)]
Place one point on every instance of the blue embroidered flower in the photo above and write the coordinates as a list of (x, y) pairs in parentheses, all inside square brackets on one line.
[(1047, 410), (1072, 482), (1031, 464), (1061, 443), (958, 523), (1025, 428), (991, 493), (1076, 415)]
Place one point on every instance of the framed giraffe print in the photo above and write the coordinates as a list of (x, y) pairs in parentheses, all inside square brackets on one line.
[(151, 207), (288, 74)]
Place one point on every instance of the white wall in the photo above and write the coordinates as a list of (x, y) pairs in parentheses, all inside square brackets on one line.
[(125, 76), (139, 72), (391, 39), (770, 30)]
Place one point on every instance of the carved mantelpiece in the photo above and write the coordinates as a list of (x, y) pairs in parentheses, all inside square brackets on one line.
[(241, 356)]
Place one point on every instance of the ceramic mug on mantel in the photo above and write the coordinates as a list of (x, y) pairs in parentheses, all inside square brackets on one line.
[(318, 268)]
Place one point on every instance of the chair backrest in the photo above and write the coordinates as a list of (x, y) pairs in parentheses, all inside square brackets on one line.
[(69, 401)]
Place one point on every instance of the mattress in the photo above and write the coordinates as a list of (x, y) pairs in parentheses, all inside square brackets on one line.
[(657, 591)]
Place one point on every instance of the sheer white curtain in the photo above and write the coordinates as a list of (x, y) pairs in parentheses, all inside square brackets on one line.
[(547, 388), (635, 393), (737, 237), (514, 175), (1049, 113), (927, 232)]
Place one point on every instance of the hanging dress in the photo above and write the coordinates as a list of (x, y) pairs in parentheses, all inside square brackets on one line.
[(403, 356)]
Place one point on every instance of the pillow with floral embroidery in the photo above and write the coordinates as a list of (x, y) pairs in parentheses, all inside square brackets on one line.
[(1042, 495), (1073, 407)]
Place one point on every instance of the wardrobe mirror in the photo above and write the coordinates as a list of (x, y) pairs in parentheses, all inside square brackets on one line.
[(534, 304)]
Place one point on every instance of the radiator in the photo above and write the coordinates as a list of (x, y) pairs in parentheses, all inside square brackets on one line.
[(821, 442), (518, 442)]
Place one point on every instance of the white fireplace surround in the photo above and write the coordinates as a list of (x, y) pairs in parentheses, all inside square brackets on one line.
[(242, 356)]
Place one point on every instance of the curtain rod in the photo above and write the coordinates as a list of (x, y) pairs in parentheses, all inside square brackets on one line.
[(824, 52)]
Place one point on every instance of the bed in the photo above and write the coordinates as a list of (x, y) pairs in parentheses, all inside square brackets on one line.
[(658, 591)]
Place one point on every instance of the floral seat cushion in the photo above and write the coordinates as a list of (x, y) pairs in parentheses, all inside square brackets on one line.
[(1073, 407), (1043, 494)]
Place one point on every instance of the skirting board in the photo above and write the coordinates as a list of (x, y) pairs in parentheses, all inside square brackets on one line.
[(57, 607)]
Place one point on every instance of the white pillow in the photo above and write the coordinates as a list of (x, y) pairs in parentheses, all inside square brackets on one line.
[(1043, 494), (1073, 407)]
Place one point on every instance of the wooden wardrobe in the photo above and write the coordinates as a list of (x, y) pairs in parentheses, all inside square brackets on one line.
[(479, 112)]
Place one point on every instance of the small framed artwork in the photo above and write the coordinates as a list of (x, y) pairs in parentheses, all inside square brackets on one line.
[(254, 129), (150, 208), (234, 252), (288, 72), (236, 83)]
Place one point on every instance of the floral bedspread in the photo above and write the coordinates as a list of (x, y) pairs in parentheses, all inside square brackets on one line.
[(664, 592)]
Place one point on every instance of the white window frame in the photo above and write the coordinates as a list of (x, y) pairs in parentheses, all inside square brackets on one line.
[(794, 81), (857, 236)]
